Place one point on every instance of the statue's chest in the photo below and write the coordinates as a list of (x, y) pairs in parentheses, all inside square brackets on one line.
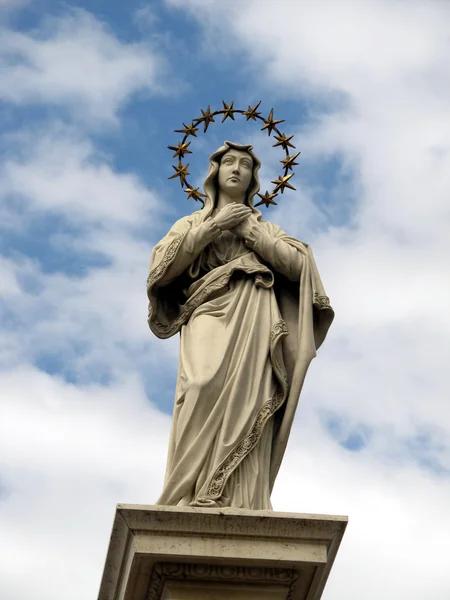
[(224, 249)]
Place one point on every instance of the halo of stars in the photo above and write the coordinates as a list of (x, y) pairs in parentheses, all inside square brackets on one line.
[(270, 124)]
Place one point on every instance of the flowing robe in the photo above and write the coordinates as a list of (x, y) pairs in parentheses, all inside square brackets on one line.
[(251, 315)]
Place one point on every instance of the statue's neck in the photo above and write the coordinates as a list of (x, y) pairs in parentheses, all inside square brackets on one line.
[(225, 199)]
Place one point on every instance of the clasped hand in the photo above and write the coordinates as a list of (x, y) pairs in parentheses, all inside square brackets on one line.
[(233, 218)]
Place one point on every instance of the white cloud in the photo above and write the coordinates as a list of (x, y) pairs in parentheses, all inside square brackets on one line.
[(94, 321), (67, 454), (145, 17), (102, 214), (395, 518), (77, 62), (11, 4), (58, 171), (8, 281)]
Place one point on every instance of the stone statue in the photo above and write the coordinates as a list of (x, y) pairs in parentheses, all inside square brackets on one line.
[(251, 311)]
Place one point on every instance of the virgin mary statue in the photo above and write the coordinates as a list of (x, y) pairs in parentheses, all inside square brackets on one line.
[(251, 311)]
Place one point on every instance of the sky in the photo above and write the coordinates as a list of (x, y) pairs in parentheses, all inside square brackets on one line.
[(90, 93)]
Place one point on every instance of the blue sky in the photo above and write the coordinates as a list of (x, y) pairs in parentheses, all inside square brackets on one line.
[(90, 94)]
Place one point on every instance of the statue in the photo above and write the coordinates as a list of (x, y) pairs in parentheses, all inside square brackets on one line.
[(249, 304)]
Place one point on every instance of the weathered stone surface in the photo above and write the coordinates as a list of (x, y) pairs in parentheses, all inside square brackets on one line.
[(174, 553)]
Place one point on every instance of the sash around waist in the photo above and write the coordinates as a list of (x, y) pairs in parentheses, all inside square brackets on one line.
[(213, 281)]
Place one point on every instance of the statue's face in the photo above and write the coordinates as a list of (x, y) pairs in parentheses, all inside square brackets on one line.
[(235, 173)]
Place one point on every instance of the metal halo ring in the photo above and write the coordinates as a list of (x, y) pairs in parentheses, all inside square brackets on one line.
[(228, 111)]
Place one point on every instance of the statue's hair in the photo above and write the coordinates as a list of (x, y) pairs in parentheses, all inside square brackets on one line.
[(210, 184)]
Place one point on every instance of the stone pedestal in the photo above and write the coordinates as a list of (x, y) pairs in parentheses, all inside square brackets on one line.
[(174, 553)]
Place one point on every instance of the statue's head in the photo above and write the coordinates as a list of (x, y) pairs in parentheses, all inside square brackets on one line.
[(233, 169), (235, 173)]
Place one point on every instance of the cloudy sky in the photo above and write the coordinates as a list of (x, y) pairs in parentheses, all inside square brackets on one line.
[(90, 93)]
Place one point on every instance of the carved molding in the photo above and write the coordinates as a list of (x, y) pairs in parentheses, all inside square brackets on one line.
[(229, 573)]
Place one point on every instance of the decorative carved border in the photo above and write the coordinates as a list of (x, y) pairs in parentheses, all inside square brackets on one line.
[(230, 573)]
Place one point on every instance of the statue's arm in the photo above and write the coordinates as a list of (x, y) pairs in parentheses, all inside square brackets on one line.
[(284, 257), (195, 240)]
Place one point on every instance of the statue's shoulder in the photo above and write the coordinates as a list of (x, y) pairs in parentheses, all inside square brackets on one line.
[(270, 227), (276, 231), (187, 222)]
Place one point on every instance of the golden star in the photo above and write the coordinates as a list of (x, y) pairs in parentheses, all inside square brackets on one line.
[(282, 182), (181, 171), (270, 123), (207, 118), (288, 162), (188, 130), (181, 149), (194, 193), (284, 141), (267, 199), (251, 113), (229, 110)]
